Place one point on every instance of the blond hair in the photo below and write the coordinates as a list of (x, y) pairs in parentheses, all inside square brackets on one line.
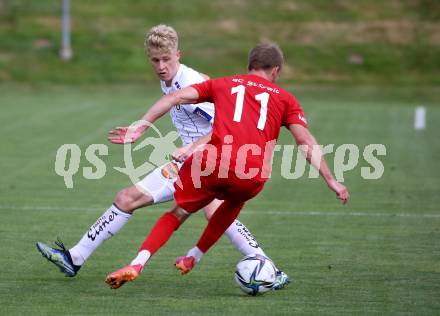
[(162, 37)]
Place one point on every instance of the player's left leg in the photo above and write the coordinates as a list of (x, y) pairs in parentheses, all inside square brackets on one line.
[(235, 192), (242, 239), (238, 234), (219, 222)]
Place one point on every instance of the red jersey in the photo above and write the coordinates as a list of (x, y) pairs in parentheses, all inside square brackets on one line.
[(249, 112)]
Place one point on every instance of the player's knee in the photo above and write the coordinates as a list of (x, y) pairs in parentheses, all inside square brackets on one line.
[(208, 213), (180, 214), (125, 201), (210, 209)]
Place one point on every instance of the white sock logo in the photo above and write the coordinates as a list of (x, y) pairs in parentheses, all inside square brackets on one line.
[(100, 225)]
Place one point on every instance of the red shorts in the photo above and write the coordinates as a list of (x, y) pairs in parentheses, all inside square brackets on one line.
[(195, 191)]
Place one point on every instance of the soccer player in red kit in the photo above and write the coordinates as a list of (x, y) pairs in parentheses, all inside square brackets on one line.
[(249, 112)]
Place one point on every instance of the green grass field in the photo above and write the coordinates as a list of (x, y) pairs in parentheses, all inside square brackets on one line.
[(378, 255)]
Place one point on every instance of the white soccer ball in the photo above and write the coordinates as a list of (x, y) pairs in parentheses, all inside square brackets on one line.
[(255, 274)]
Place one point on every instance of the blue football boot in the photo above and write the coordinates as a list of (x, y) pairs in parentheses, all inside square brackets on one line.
[(59, 257)]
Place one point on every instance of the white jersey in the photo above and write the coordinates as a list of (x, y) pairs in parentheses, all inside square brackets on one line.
[(192, 121)]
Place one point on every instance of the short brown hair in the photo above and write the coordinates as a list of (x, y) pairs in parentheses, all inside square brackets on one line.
[(265, 56), (162, 37)]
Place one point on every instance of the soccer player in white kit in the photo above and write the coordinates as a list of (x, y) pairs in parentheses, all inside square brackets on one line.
[(194, 124)]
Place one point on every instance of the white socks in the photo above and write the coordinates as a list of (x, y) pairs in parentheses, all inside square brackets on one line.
[(243, 240), (114, 219), (196, 253), (141, 258), (240, 237), (105, 227)]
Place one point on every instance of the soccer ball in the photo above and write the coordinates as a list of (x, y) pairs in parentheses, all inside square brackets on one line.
[(255, 274)]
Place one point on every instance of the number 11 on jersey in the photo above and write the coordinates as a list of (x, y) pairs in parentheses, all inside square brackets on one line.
[(239, 102)]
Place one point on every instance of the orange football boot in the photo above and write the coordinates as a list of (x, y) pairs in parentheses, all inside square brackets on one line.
[(129, 273), (185, 264)]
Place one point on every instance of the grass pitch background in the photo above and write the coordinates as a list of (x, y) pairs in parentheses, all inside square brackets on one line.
[(368, 41), (378, 255)]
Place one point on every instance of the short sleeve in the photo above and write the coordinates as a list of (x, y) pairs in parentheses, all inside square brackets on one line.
[(205, 91), (294, 114)]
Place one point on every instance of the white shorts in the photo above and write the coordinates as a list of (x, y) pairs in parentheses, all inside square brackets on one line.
[(160, 183)]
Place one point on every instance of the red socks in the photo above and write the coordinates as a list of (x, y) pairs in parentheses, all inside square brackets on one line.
[(223, 217), (160, 233), (168, 223)]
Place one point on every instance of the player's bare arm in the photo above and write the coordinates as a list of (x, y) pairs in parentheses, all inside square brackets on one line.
[(182, 153), (124, 135), (314, 156), (185, 96)]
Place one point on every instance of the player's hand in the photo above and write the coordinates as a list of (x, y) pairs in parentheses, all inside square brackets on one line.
[(340, 190), (124, 135), (182, 153)]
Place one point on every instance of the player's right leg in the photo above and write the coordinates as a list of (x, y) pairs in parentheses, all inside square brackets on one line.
[(158, 236), (110, 223), (107, 225), (164, 228), (156, 187)]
